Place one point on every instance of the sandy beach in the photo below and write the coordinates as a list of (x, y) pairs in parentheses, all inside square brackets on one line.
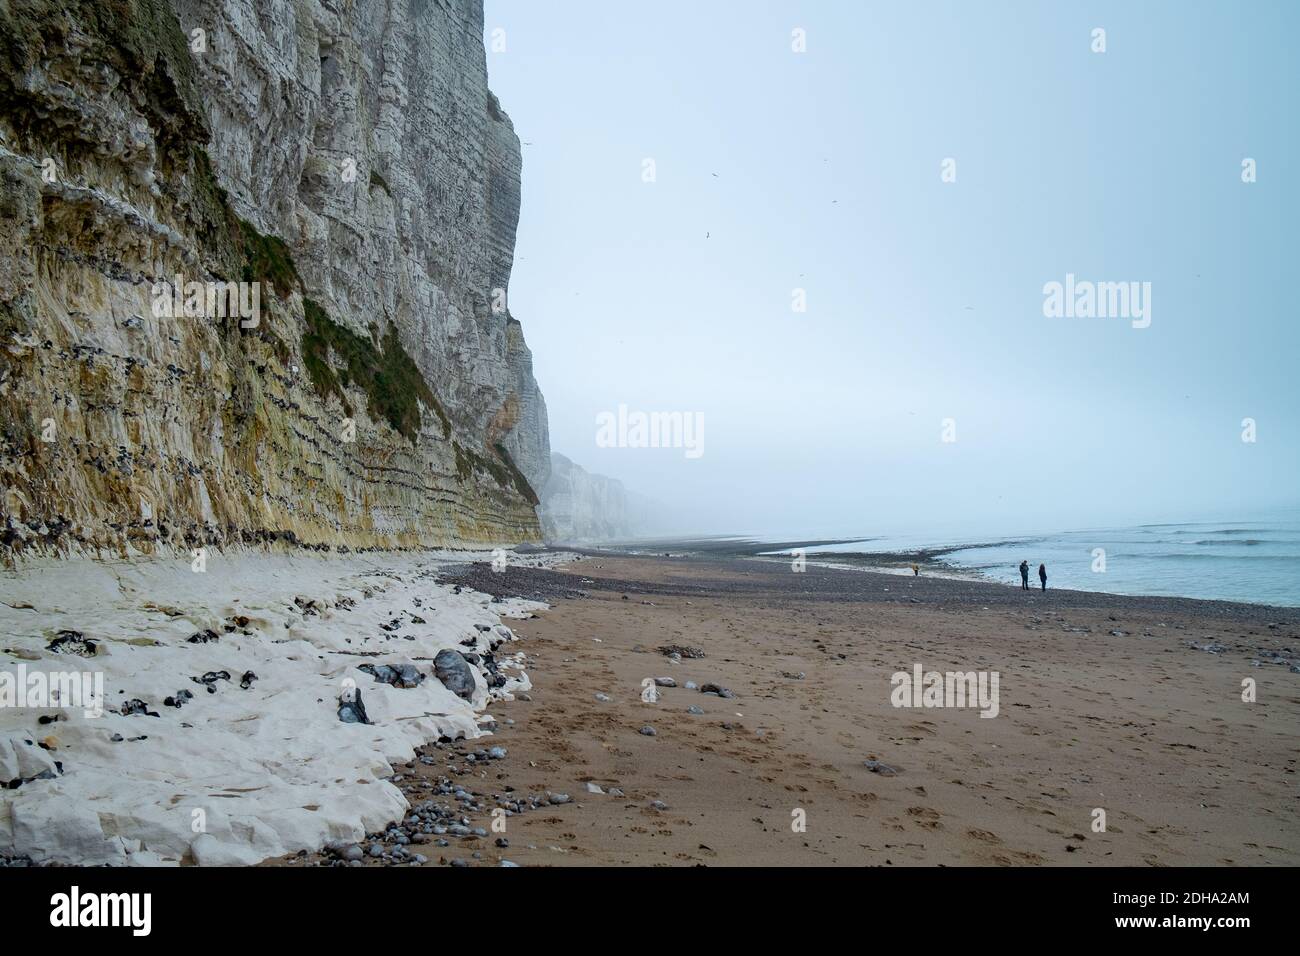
[(1128, 705)]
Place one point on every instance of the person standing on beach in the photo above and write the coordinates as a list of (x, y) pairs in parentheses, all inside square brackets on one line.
[(1024, 575), (1042, 575)]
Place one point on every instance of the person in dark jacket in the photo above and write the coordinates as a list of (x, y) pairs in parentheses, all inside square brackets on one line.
[(1042, 575), (1024, 575)]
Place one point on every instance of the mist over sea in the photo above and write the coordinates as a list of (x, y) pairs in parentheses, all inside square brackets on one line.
[(1256, 561)]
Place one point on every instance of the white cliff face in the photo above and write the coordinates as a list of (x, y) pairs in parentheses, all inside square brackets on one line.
[(187, 138), (364, 134), (579, 507)]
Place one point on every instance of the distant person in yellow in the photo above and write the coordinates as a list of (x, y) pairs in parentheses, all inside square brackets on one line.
[(916, 571)]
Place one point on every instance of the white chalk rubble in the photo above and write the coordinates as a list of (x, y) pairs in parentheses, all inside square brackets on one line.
[(239, 775)]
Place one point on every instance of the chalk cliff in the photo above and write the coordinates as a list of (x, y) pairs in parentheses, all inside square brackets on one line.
[(581, 507), (349, 158)]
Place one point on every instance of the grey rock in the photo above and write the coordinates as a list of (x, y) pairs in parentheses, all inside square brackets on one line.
[(72, 642), (681, 650), (351, 709), (399, 675), (454, 671)]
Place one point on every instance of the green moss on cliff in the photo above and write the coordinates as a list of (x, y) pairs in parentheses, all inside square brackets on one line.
[(388, 376), (504, 470), (267, 259), (141, 39), (521, 483)]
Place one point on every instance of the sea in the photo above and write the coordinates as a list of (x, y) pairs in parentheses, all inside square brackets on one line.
[(1256, 561)]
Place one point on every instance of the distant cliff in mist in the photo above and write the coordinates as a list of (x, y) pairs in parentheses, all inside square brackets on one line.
[(579, 507)]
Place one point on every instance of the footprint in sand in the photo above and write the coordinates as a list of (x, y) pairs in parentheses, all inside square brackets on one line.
[(925, 817)]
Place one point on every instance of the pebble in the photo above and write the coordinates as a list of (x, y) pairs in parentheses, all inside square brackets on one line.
[(647, 731)]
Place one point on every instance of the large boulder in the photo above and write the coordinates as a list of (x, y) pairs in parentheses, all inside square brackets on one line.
[(454, 671)]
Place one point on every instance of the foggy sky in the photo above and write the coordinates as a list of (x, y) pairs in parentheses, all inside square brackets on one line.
[(821, 170)]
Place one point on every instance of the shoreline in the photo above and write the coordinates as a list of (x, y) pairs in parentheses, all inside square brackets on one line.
[(932, 561), (979, 585)]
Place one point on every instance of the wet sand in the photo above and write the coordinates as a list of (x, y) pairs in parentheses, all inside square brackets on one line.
[(1147, 724), (1141, 725)]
